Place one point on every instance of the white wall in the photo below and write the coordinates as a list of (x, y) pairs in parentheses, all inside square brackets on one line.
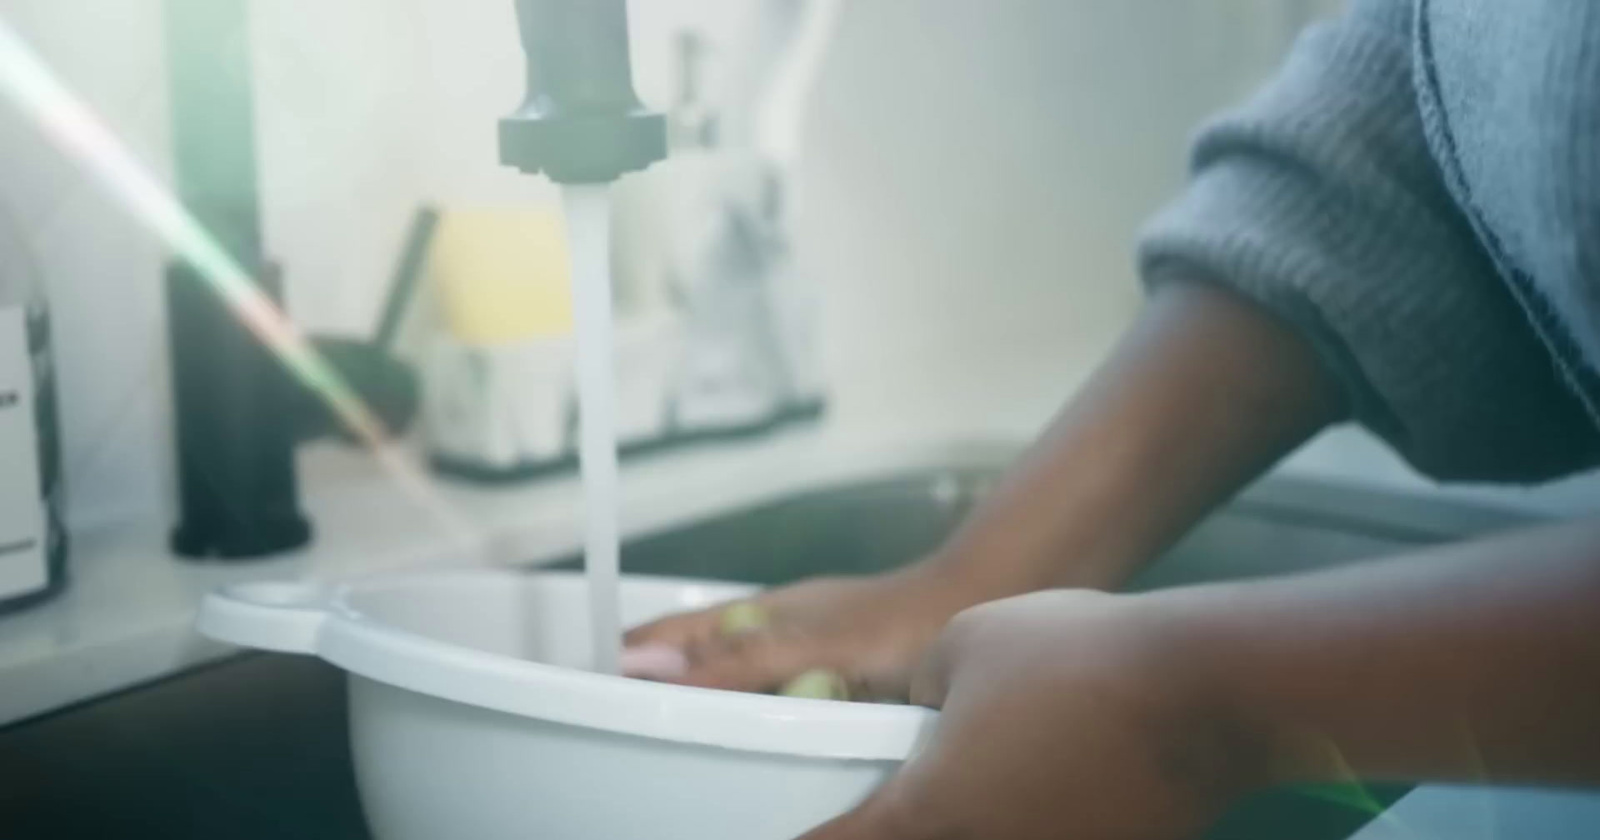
[(103, 274), (344, 128), (974, 175)]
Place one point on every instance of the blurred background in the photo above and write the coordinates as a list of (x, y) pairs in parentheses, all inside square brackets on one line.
[(971, 181)]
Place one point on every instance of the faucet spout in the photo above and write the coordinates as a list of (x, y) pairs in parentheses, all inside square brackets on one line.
[(581, 121)]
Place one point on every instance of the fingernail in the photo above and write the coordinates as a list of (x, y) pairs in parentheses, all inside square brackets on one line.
[(654, 662)]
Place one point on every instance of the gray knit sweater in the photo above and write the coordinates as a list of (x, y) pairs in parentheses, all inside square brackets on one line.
[(1418, 192)]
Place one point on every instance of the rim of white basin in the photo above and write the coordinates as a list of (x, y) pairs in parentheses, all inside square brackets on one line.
[(322, 622)]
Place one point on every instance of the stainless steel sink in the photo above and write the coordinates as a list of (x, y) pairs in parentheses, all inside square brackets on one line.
[(1279, 526), (253, 748)]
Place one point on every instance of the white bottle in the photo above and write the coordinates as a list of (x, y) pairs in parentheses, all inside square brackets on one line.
[(33, 543)]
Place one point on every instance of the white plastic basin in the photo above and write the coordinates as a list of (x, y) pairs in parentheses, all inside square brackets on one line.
[(472, 717)]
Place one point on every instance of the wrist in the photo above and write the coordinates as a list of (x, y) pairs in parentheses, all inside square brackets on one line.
[(1226, 744), (993, 568), (946, 584)]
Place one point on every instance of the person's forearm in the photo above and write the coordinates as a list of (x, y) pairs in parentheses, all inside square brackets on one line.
[(1477, 662), (1204, 393)]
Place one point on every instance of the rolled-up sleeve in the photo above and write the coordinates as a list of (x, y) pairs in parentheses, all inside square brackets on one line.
[(1320, 200)]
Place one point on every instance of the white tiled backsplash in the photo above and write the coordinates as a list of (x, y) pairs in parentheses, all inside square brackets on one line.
[(973, 177)]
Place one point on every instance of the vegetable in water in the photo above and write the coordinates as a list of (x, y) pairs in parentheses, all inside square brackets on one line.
[(817, 684), (743, 617)]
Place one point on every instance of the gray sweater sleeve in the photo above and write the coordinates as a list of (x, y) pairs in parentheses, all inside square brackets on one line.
[(1320, 200)]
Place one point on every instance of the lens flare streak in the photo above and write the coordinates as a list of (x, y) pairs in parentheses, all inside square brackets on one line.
[(78, 132)]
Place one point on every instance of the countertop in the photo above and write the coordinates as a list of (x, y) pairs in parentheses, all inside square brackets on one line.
[(127, 615)]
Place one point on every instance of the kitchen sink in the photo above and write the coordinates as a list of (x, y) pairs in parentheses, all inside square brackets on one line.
[(1280, 526), (255, 747)]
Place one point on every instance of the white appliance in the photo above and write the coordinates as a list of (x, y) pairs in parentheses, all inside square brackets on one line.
[(24, 570)]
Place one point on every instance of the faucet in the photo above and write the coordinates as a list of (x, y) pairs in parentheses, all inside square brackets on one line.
[(581, 121)]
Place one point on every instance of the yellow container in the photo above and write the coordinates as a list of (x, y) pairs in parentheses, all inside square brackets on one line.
[(502, 276)]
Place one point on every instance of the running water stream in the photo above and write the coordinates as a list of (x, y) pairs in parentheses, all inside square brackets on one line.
[(588, 212)]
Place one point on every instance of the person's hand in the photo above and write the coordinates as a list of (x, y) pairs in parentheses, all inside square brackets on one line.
[(871, 631), (1062, 717)]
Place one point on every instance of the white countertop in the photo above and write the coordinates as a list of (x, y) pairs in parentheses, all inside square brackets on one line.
[(128, 612)]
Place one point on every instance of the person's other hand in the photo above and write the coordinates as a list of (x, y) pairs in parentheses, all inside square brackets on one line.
[(871, 631), (1063, 716)]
